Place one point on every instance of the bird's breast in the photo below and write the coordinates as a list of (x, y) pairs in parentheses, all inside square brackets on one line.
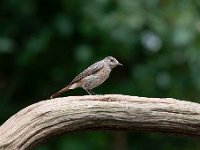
[(96, 79)]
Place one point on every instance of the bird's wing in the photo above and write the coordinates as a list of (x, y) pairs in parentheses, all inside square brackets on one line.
[(87, 72)]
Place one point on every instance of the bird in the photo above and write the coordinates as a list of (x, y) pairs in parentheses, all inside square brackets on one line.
[(92, 76)]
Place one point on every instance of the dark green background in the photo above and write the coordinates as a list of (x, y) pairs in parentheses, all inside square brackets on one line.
[(44, 44)]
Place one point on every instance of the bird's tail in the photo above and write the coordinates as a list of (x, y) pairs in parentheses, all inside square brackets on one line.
[(66, 88)]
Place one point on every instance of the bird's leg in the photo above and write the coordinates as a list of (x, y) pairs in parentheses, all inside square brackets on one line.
[(90, 92)]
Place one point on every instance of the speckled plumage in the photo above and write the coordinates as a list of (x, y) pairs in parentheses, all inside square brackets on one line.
[(91, 77)]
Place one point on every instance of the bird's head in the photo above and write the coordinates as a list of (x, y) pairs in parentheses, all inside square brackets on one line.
[(112, 62)]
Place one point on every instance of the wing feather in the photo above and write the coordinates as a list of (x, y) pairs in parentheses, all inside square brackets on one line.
[(89, 71)]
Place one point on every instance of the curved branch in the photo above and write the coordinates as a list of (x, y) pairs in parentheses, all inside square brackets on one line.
[(44, 119)]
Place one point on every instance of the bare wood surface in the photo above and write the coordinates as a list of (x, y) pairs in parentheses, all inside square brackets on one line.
[(45, 119)]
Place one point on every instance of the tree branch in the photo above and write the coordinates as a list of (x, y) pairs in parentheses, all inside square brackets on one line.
[(44, 119)]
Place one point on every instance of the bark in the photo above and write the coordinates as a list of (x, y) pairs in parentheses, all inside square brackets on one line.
[(40, 121)]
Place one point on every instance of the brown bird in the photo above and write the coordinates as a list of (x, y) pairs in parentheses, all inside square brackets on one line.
[(91, 77)]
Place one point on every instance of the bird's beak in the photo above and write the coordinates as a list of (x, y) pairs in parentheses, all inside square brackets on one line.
[(119, 64)]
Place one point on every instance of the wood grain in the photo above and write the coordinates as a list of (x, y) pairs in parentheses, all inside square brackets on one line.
[(40, 121)]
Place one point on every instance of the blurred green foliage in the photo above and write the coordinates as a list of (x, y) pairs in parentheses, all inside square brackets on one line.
[(44, 44)]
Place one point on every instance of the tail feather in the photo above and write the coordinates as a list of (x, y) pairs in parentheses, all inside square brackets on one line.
[(60, 92)]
